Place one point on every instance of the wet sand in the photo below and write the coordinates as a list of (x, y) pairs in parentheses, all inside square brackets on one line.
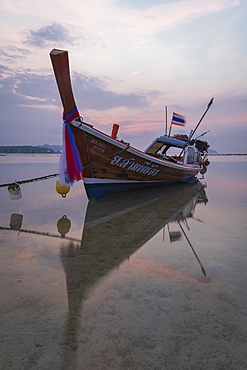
[(117, 293)]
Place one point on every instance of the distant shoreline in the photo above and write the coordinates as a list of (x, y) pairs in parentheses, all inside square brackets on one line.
[(29, 149), (29, 153), (56, 149), (2, 154), (226, 154)]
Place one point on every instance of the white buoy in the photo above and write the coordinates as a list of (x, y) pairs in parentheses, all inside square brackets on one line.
[(14, 191)]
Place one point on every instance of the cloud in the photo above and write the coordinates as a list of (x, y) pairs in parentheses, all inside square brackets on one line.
[(47, 35), (10, 54), (31, 102), (21, 88), (180, 45), (170, 15), (63, 35), (5, 71), (136, 73), (93, 94), (29, 87)]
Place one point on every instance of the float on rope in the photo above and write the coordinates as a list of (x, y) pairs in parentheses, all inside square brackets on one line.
[(62, 189)]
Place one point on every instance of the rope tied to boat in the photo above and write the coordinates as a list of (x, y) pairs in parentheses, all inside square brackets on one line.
[(14, 185)]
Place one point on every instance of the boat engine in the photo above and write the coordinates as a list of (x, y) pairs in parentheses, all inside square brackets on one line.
[(204, 168), (202, 146)]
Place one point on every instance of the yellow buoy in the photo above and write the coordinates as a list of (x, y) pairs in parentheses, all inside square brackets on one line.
[(62, 189)]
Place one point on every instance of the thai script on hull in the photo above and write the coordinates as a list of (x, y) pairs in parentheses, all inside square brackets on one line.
[(132, 165)]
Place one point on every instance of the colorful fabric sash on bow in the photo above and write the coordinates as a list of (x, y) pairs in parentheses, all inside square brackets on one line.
[(70, 166), (74, 114)]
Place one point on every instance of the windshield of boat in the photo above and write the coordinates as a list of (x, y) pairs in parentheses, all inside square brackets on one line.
[(171, 151), (173, 154)]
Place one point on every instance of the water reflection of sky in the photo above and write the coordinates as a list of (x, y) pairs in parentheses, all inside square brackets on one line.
[(111, 305)]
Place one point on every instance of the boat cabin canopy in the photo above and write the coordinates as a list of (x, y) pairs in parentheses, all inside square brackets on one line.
[(163, 148), (166, 141)]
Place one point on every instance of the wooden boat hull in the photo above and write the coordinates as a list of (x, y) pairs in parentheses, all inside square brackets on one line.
[(111, 166)]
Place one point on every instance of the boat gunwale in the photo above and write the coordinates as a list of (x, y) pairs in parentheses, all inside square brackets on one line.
[(83, 126)]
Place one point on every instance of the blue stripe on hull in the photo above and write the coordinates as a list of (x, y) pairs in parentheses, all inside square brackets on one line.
[(102, 190)]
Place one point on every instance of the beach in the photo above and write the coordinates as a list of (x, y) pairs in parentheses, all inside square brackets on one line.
[(141, 281)]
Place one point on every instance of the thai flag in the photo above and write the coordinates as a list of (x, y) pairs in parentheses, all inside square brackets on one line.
[(177, 119), (70, 166)]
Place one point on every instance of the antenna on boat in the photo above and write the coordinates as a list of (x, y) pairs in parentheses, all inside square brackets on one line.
[(202, 134), (193, 131), (209, 105), (193, 250)]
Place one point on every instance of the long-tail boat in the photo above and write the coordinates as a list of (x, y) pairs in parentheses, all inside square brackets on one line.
[(110, 165)]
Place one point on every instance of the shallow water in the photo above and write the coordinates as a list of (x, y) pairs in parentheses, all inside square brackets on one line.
[(145, 280)]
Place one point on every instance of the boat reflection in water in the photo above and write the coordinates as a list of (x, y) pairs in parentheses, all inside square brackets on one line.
[(117, 226), (114, 229)]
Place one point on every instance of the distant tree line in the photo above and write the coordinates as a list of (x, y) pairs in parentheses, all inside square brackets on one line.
[(25, 149), (226, 154)]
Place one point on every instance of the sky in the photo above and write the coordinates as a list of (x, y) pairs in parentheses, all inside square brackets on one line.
[(129, 59)]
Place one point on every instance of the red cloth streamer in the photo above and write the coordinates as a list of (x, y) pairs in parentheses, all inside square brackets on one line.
[(74, 167)]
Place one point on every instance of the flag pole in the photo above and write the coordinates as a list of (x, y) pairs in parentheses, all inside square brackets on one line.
[(170, 129), (166, 121)]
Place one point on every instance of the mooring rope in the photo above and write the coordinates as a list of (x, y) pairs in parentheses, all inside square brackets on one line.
[(30, 180), (13, 184)]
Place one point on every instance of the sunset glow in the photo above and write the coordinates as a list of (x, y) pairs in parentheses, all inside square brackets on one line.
[(128, 61)]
